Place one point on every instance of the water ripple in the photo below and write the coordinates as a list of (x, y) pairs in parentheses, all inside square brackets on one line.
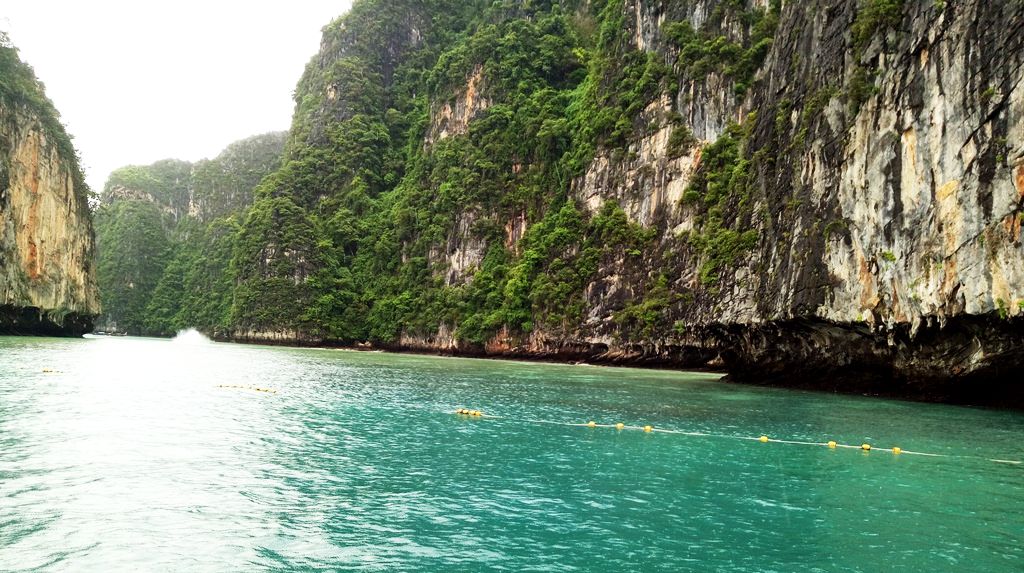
[(135, 457)]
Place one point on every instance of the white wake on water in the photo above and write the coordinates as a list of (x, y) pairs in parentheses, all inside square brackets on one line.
[(191, 336)]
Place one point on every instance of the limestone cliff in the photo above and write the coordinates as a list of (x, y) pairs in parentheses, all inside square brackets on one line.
[(47, 282), (888, 254), (900, 189), (882, 161), (823, 193)]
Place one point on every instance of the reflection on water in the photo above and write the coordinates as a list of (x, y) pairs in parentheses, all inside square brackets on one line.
[(131, 455)]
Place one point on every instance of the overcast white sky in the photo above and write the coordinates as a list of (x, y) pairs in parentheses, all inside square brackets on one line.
[(138, 81)]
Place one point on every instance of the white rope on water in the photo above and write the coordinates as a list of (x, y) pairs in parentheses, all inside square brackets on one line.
[(764, 439)]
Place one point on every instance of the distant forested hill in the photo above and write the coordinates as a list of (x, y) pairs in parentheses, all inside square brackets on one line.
[(166, 234)]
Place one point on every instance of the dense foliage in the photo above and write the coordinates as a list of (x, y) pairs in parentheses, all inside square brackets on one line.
[(428, 133), (128, 274), (166, 234), (357, 236)]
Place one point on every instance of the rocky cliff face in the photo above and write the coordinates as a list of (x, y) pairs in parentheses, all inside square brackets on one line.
[(47, 281), (888, 254), (825, 193), (887, 217), (906, 259)]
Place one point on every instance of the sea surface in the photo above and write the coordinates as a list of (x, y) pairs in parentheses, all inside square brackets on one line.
[(133, 454)]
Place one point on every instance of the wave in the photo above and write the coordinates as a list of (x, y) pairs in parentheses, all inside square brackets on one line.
[(191, 336)]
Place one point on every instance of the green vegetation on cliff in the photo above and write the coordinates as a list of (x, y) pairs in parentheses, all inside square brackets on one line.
[(129, 273), (385, 189), (428, 177), (351, 240), (166, 234), (628, 179)]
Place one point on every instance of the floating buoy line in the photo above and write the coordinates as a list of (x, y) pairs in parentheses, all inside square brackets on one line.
[(253, 388), (648, 429)]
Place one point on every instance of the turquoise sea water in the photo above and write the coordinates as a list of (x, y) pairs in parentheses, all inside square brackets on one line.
[(131, 457)]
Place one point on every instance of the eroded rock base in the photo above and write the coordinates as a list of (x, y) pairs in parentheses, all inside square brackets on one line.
[(966, 360), (34, 322)]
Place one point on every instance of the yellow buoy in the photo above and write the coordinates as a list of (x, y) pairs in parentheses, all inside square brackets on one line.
[(865, 447), (832, 445), (591, 424), (897, 450), (763, 438), (648, 428), (477, 413), (619, 426)]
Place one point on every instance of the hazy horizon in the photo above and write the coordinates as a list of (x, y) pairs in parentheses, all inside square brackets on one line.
[(136, 82)]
